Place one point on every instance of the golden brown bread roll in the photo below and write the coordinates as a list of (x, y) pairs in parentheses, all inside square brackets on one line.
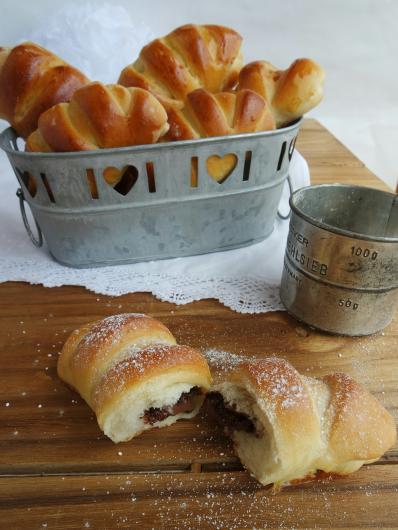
[(188, 58), (131, 372), (32, 80), (286, 426), (291, 92), (100, 116), (174, 67), (205, 114)]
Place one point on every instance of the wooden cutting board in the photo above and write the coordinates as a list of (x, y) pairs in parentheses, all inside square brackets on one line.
[(57, 470)]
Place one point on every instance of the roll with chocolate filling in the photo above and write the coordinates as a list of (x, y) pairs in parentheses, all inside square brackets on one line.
[(185, 404), (132, 373), (227, 416), (286, 426)]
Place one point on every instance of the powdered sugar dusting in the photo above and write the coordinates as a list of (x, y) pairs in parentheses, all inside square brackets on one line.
[(283, 385), (343, 388), (109, 326), (232, 500), (222, 362), (139, 362), (105, 333), (280, 381)]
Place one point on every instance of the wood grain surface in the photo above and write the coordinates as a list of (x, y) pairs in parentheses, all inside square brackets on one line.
[(57, 470)]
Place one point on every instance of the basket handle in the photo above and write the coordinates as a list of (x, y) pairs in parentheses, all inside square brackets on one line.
[(39, 241), (281, 216)]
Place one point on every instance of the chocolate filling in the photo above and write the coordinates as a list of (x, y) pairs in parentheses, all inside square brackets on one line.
[(227, 416), (186, 403)]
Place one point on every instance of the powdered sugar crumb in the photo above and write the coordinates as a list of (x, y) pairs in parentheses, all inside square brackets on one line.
[(221, 362), (224, 500)]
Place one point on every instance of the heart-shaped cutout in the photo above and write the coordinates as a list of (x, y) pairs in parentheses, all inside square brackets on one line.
[(121, 180), (220, 167), (29, 181)]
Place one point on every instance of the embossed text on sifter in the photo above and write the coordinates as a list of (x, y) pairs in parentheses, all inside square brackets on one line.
[(340, 270), (177, 199)]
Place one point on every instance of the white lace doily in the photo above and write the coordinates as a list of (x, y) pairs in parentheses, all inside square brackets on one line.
[(246, 280)]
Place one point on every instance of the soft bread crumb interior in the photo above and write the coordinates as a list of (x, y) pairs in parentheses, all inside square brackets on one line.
[(252, 448), (125, 421)]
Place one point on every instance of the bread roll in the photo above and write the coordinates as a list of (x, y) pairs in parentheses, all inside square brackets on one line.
[(286, 426), (100, 116), (32, 80), (188, 58), (205, 114), (130, 371), (291, 92)]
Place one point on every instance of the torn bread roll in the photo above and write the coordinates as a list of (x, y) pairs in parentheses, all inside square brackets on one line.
[(130, 371), (286, 426)]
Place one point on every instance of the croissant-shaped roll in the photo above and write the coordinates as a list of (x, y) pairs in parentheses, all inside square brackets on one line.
[(291, 92), (32, 80), (100, 116), (188, 58), (131, 372), (286, 426), (206, 114)]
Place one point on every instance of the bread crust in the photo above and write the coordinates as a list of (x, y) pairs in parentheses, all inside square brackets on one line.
[(205, 114), (91, 350), (291, 92), (360, 427), (32, 80), (188, 58), (100, 116)]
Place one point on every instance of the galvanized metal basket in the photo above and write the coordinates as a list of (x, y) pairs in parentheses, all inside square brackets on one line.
[(167, 203)]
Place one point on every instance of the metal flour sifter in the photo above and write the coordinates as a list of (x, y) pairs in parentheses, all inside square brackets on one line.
[(341, 262)]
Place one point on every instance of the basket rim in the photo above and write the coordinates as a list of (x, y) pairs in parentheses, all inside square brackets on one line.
[(9, 132)]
